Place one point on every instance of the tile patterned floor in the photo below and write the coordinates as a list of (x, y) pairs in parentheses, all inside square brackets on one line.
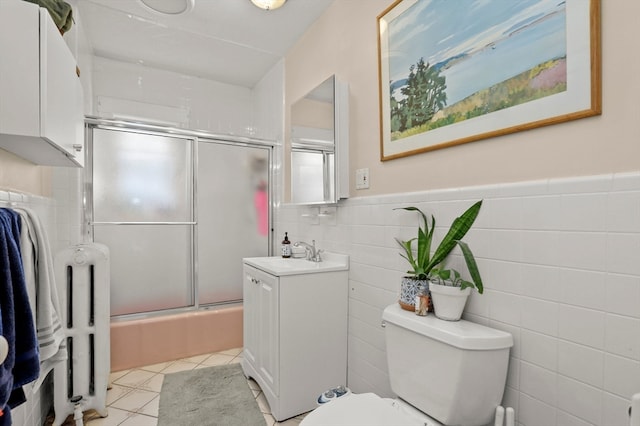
[(135, 394)]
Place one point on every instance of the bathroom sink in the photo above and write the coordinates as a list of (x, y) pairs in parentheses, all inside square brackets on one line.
[(280, 266)]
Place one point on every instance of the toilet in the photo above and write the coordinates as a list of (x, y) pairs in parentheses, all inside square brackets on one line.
[(443, 373)]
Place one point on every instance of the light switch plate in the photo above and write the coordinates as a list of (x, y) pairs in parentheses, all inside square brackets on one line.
[(362, 178)]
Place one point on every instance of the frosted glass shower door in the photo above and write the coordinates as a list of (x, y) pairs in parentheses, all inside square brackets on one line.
[(233, 216), (142, 210)]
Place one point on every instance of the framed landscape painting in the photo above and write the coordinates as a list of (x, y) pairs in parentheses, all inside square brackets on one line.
[(456, 71)]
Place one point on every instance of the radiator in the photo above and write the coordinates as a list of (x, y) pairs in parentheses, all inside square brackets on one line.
[(82, 276)]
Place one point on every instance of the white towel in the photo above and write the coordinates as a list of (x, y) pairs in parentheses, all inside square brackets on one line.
[(39, 275)]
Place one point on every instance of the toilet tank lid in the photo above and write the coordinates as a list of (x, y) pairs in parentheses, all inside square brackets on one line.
[(461, 334)]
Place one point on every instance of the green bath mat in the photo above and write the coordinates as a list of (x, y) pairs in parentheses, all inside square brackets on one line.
[(213, 396)]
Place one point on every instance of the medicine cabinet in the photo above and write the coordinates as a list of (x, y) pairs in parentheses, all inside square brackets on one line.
[(319, 166)]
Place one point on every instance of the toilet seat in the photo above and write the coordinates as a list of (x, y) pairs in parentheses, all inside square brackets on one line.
[(366, 409)]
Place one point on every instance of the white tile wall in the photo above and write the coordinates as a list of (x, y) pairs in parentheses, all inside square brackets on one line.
[(34, 410), (267, 121), (212, 106), (561, 264), (68, 192), (580, 400), (581, 362), (539, 349)]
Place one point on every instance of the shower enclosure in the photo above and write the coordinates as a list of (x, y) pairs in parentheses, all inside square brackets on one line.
[(178, 211)]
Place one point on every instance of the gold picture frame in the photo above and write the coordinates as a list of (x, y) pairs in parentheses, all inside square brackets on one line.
[(457, 72)]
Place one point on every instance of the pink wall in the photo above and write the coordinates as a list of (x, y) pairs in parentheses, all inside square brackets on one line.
[(20, 175), (343, 41)]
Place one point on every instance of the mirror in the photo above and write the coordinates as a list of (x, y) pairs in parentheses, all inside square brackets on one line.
[(319, 145)]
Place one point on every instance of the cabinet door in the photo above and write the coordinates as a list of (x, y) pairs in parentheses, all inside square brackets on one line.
[(60, 90), (269, 338), (41, 107), (19, 69), (250, 317)]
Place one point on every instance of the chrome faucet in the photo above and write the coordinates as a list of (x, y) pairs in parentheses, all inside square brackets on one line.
[(312, 254)]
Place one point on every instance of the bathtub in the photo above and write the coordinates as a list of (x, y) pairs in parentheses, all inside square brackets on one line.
[(139, 342)]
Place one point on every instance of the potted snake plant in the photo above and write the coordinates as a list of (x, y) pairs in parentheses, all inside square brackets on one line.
[(427, 272)]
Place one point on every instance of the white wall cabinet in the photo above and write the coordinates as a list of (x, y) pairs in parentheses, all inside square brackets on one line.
[(295, 335), (41, 101)]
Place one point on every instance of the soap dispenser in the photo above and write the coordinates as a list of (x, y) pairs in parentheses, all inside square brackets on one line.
[(286, 246)]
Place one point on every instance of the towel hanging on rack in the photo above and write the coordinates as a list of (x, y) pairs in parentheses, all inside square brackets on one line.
[(22, 364), (39, 275)]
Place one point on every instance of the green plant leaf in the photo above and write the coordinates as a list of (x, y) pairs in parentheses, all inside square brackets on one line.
[(427, 249), (472, 266), (408, 252), (423, 251), (459, 228), (464, 284), (423, 247)]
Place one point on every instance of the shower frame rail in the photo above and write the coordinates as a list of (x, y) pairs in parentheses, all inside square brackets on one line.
[(194, 136)]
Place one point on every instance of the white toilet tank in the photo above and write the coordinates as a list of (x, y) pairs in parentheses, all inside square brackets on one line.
[(453, 371)]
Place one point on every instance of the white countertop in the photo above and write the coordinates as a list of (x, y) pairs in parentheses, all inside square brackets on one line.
[(279, 266)]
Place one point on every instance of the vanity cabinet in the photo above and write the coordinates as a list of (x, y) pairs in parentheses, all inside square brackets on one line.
[(41, 106), (295, 335), (260, 292)]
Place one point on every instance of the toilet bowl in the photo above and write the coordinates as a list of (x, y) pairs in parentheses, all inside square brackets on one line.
[(443, 372), (367, 409)]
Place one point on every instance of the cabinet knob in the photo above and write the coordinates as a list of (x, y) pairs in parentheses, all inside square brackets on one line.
[(77, 147)]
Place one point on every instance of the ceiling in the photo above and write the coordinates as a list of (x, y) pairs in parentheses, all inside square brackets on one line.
[(229, 41)]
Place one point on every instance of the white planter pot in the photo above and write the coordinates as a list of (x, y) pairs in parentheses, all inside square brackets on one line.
[(448, 302)]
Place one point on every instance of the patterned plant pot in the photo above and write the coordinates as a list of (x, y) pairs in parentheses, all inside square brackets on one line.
[(409, 288)]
